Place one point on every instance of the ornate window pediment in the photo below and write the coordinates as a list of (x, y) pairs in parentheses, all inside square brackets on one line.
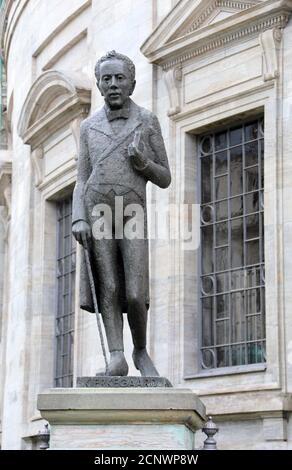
[(210, 12), (196, 27), (53, 101)]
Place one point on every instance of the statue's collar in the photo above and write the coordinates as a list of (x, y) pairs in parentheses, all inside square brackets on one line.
[(102, 124), (112, 114)]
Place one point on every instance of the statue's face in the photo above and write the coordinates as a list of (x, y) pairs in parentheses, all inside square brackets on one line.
[(115, 83)]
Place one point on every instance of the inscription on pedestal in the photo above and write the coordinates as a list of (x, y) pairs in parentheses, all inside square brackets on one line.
[(122, 382)]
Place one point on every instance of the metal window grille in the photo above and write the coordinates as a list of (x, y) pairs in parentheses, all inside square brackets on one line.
[(232, 287), (66, 260)]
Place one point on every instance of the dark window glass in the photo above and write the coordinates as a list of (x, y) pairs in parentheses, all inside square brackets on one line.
[(66, 290), (232, 246)]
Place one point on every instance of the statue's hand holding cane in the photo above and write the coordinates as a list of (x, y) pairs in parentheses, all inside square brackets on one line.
[(136, 152), (81, 230)]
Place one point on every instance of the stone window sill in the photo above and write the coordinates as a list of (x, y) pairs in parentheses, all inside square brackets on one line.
[(228, 371)]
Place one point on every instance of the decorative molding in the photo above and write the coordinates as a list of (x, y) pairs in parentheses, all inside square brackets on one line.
[(5, 181), (61, 27), (5, 222), (221, 102), (270, 42), (169, 47), (37, 161), (55, 100), (75, 128), (56, 179), (232, 5), (38, 119), (8, 22), (64, 49), (5, 194), (278, 22), (11, 12), (5, 9), (173, 78)]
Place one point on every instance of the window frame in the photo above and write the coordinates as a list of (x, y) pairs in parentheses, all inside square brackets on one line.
[(216, 129), (71, 293), (184, 308)]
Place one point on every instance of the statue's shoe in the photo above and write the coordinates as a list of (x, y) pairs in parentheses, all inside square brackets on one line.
[(144, 363), (118, 365)]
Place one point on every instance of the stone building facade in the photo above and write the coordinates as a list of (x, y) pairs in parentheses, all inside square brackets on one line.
[(218, 75)]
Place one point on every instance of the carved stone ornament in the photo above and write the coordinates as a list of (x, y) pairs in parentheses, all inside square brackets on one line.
[(5, 194), (215, 7), (54, 101), (37, 161), (75, 129), (270, 42), (188, 30), (173, 78)]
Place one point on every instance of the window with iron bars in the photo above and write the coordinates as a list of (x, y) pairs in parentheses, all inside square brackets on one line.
[(232, 287), (66, 260)]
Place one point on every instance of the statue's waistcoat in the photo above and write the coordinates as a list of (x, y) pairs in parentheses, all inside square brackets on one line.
[(110, 162), (116, 170)]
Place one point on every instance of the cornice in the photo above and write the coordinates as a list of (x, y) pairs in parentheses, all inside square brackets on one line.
[(278, 21), (253, 21), (59, 117), (10, 13), (190, 112), (238, 5)]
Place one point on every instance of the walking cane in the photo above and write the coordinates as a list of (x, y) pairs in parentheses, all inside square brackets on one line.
[(93, 293)]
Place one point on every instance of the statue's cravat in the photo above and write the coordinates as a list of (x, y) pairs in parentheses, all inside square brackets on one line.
[(117, 113)]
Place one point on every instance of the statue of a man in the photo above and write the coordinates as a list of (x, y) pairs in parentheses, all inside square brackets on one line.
[(121, 149)]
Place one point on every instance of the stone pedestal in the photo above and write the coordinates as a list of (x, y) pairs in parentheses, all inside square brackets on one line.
[(122, 418)]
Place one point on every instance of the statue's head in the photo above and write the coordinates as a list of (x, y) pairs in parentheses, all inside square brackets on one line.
[(115, 78)]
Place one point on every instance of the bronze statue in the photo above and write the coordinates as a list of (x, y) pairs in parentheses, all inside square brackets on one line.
[(121, 149)]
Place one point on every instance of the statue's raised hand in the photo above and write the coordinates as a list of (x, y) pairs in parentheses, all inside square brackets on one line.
[(81, 230), (136, 152)]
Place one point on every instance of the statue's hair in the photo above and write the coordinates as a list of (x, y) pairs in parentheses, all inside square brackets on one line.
[(115, 55)]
